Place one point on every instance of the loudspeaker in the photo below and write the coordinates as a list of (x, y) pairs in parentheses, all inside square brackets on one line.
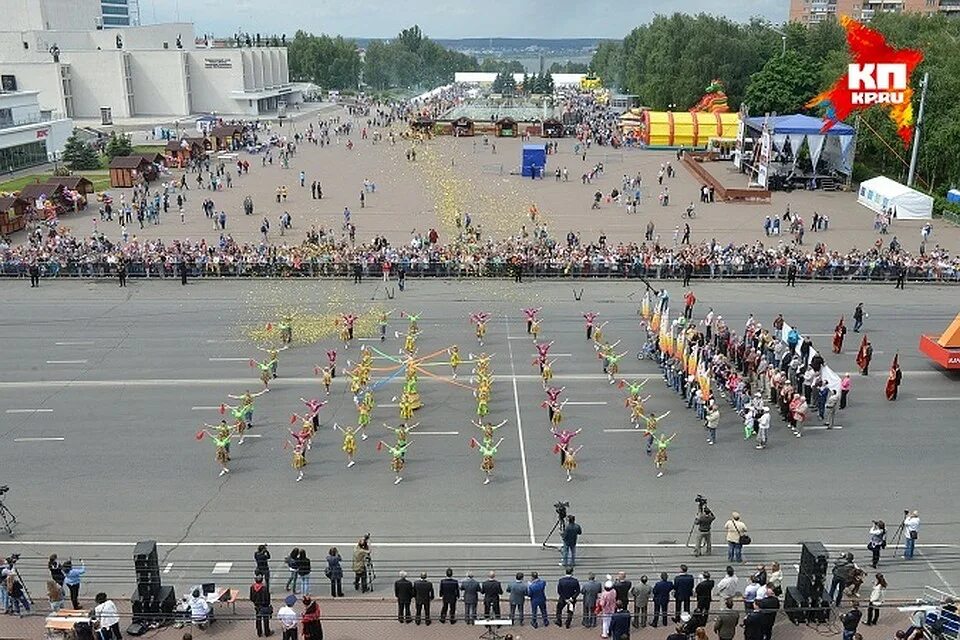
[(145, 556), (792, 605), (809, 585), (813, 558), (168, 601), (152, 606)]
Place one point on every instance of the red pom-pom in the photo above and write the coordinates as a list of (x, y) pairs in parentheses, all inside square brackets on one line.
[(473, 443), (380, 446), (620, 384), (293, 418), (556, 448), (252, 363), (223, 409), (200, 434)]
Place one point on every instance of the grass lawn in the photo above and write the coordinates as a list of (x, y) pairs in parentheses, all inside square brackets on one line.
[(100, 179)]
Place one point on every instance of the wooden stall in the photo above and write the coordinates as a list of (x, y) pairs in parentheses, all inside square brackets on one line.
[(226, 137), (506, 128), (463, 126), (552, 128), (126, 171), (13, 214)]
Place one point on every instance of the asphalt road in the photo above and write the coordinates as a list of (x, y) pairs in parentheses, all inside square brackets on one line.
[(103, 389)]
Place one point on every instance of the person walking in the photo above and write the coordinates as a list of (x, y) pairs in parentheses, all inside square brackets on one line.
[(423, 595), (471, 589), (858, 317), (661, 600), (449, 594), (262, 609), (571, 532), (288, 618), (911, 525), (704, 520), (312, 627), (491, 590), (334, 572), (877, 542), (736, 530), (71, 580), (682, 591), (518, 594), (537, 592), (403, 592), (590, 590), (727, 620), (641, 602), (291, 561), (877, 594), (303, 571), (568, 588)]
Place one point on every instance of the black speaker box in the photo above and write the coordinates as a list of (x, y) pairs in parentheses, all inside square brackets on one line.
[(793, 605), (810, 585), (813, 559), (145, 557), (153, 606)]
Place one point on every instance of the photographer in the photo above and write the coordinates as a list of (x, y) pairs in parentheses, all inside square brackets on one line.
[(361, 556), (911, 523), (877, 542), (571, 532), (703, 522)]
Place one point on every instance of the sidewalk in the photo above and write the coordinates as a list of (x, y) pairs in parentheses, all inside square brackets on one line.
[(367, 618)]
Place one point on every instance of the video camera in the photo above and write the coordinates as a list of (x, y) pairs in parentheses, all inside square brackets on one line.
[(701, 503), (4, 489), (561, 509)]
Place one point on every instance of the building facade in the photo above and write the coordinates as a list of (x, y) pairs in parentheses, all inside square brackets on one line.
[(119, 13), (814, 11), (29, 136), (155, 70)]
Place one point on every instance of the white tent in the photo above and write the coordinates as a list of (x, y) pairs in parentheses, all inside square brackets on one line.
[(881, 194)]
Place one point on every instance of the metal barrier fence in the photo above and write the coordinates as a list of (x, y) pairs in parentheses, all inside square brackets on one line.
[(490, 269)]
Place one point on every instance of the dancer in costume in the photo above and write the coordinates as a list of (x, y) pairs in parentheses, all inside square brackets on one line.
[(298, 461), (553, 399), (332, 362), (350, 441), (598, 335), (363, 415), (410, 342), (569, 459), (479, 318), (838, 332), (633, 387), (661, 458), (543, 349), (531, 316), (273, 355), (243, 412), (398, 452), (382, 319), (535, 330), (413, 321), (546, 372), (327, 378), (221, 440), (286, 329), (563, 437), (650, 429), (402, 431), (556, 415), (266, 371), (488, 451), (313, 410), (613, 365), (348, 320), (454, 353), (306, 432), (488, 429), (590, 317), (637, 411)]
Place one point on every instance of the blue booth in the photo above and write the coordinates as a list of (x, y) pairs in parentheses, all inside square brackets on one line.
[(534, 161)]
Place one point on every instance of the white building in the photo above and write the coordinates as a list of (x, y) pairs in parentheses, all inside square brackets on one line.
[(28, 135), (155, 70), (119, 13)]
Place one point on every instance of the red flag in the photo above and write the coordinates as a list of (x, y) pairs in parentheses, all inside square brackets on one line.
[(892, 383), (473, 443), (556, 448), (862, 353)]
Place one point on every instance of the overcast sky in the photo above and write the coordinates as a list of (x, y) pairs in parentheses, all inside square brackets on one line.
[(443, 18)]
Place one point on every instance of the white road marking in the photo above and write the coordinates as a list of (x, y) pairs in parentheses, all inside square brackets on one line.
[(435, 433), (222, 567), (167, 568), (29, 411), (389, 406), (224, 340), (936, 571), (369, 339), (51, 439), (249, 435), (517, 338), (638, 430), (823, 427), (586, 402), (74, 343), (211, 408), (948, 399), (228, 359), (523, 453), (66, 362)]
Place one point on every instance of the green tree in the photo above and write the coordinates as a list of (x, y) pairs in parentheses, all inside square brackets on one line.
[(411, 39), (377, 66), (784, 85), (78, 155), (118, 145)]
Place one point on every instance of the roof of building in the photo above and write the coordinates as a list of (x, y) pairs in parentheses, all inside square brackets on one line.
[(71, 182), (9, 202), (31, 192), (128, 162)]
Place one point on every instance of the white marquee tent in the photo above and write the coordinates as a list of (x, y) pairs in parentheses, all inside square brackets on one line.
[(881, 194)]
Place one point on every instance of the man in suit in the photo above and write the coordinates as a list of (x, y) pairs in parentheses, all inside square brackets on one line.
[(491, 590), (518, 597), (620, 623), (753, 624), (423, 593), (568, 588), (641, 599), (471, 590), (769, 604), (661, 600), (449, 593), (704, 592), (682, 590), (726, 622), (403, 591), (622, 586), (590, 590), (537, 592)]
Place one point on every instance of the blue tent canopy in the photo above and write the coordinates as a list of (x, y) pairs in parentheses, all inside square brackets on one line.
[(798, 124)]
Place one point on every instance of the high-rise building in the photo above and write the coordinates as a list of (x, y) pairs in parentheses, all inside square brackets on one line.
[(120, 13), (814, 11)]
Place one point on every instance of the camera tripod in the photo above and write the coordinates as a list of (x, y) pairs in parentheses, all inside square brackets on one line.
[(8, 518), (898, 534), (559, 524), (701, 503)]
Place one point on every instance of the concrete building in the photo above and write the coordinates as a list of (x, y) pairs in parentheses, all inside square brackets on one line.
[(29, 136), (155, 70), (814, 11), (120, 13)]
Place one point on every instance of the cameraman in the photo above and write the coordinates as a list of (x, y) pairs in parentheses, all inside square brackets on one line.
[(571, 532), (361, 557), (703, 521)]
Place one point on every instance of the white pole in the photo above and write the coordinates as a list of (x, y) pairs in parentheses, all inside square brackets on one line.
[(916, 131)]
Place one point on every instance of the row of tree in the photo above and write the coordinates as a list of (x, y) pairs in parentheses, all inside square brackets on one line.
[(506, 84), (672, 60)]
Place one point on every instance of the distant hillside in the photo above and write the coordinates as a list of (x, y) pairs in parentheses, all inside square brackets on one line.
[(532, 45)]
